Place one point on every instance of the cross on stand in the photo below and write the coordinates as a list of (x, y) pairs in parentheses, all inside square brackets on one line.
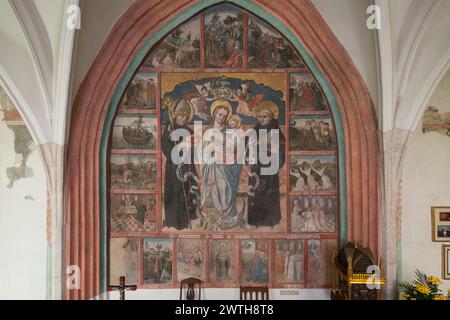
[(122, 288)]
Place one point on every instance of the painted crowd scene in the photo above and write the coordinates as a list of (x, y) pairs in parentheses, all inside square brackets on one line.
[(227, 72), (224, 32)]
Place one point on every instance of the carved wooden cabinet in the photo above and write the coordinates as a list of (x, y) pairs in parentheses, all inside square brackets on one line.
[(356, 275)]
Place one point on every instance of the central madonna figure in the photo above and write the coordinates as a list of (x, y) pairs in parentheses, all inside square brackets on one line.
[(229, 195)]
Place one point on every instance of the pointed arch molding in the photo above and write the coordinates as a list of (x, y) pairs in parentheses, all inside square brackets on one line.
[(135, 32), (39, 45)]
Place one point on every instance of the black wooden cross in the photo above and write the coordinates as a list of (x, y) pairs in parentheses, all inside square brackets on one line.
[(122, 288)]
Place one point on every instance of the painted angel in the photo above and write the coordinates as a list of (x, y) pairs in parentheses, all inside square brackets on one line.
[(200, 100), (247, 100)]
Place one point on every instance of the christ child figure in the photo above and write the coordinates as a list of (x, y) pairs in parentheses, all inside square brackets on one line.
[(234, 134)]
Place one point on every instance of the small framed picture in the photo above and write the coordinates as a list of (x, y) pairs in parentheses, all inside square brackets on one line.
[(440, 223), (446, 261)]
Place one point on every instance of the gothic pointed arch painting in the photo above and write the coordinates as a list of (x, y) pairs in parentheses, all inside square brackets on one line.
[(226, 224), (223, 71)]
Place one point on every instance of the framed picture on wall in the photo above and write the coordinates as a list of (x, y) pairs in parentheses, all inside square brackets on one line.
[(446, 261), (440, 222)]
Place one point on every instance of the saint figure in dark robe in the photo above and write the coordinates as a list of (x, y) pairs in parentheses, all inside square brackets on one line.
[(141, 211), (181, 180), (264, 195)]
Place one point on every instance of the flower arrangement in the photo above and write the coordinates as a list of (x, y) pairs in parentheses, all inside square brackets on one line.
[(423, 288)]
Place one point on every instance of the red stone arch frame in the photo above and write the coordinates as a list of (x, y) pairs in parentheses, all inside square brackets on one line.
[(142, 20)]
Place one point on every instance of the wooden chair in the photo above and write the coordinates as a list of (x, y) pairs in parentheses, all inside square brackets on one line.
[(191, 283), (256, 293)]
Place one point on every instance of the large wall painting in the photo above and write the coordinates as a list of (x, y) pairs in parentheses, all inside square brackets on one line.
[(225, 223), (225, 203)]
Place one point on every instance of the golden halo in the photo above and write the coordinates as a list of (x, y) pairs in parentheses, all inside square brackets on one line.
[(236, 118), (189, 111), (268, 105), (221, 103)]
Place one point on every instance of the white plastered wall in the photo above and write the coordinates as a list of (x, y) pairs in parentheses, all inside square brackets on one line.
[(426, 183), (23, 244)]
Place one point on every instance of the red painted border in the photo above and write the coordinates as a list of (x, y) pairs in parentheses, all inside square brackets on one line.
[(128, 35)]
